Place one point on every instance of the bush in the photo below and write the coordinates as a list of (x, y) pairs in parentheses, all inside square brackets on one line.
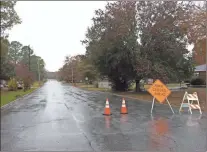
[(12, 84), (197, 81), (96, 85), (187, 81), (27, 83)]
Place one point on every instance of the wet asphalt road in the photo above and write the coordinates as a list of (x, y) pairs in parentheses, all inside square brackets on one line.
[(61, 117)]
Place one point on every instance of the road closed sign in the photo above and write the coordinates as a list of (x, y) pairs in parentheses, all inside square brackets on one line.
[(159, 91)]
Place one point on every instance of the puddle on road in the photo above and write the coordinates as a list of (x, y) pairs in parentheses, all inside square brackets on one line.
[(124, 118), (158, 129), (107, 121)]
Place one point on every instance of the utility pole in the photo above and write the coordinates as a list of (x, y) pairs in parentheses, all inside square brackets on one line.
[(72, 68), (29, 57), (38, 64), (72, 74)]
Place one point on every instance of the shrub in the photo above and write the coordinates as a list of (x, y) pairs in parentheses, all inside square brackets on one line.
[(27, 83), (197, 81), (96, 85), (12, 84), (187, 81)]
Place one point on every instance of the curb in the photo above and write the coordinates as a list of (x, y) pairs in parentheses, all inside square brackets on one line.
[(12, 102)]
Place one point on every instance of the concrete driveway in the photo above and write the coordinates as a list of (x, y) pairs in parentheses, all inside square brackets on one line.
[(61, 117)]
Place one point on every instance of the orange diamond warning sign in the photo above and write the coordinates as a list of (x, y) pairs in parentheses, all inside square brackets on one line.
[(159, 91)]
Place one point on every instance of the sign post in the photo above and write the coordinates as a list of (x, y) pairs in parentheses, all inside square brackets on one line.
[(160, 92)]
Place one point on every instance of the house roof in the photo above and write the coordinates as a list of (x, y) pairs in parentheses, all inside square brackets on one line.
[(199, 68)]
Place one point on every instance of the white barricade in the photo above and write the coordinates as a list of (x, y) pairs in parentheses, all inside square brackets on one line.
[(188, 100)]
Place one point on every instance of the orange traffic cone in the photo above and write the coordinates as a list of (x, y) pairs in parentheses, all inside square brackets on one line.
[(123, 107), (107, 110)]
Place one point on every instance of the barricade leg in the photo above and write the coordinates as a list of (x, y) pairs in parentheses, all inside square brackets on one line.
[(199, 107), (181, 106), (170, 106), (189, 107)]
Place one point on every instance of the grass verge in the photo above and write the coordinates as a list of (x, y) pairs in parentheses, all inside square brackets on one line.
[(175, 97), (90, 87), (9, 96), (37, 84)]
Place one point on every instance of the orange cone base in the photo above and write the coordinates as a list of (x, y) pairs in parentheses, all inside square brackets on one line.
[(107, 112), (124, 111)]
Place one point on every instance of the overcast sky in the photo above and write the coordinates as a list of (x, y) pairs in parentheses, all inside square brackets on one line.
[(54, 29)]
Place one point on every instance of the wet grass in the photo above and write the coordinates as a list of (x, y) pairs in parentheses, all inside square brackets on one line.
[(37, 84), (90, 87), (171, 85), (175, 97), (8, 96)]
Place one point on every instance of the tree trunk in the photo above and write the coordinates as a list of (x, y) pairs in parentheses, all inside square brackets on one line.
[(138, 86)]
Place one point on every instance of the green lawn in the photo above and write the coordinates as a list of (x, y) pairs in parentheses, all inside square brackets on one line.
[(146, 86), (37, 84), (132, 87), (8, 96), (90, 87)]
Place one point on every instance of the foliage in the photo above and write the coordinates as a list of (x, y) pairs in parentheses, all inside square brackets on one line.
[(9, 17), (76, 68), (37, 84), (14, 54), (7, 69), (129, 41), (10, 96), (4, 47), (87, 69), (26, 53), (163, 52), (135, 40), (193, 23), (18, 60), (12, 84), (22, 72), (27, 83), (96, 85), (197, 81), (37, 66), (111, 42)]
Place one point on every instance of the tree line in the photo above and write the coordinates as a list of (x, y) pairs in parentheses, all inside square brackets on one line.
[(17, 60), (76, 69), (129, 41)]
